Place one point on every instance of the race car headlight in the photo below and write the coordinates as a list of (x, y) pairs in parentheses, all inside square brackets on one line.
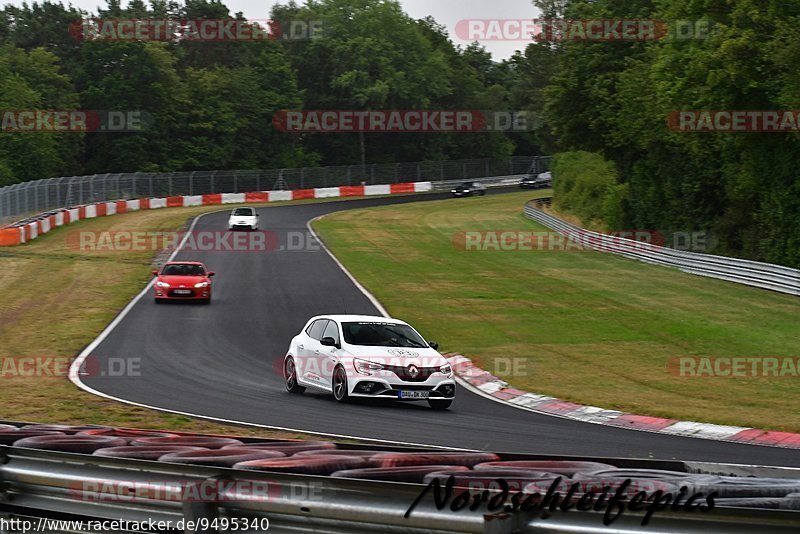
[(162, 284), (201, 284), (446, 369), (366, 368), (466, 190)]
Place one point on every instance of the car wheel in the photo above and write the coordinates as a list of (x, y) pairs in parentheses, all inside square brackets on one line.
[(290, 374), (340, 384), (206, 301), (483, 193), (158, 301), (439, 404)]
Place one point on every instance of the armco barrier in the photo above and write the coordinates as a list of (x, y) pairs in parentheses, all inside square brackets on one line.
[(751, 273), (24, 231), (29, 229), (39, 483), (24, 199)]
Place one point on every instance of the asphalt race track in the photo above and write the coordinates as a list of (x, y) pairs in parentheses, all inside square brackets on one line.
[(220, 361)]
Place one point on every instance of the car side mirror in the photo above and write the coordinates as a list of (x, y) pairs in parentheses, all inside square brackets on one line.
[(328, 342), (155, 273), (434, 345), (211, 273)]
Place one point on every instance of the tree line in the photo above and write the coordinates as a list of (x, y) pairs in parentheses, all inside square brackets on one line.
[(615, 98), (212, 103)]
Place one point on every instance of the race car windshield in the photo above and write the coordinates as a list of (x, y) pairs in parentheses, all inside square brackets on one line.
[(382, 335), (183, 269), (243, 212)]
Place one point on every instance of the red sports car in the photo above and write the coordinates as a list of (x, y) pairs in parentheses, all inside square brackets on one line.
[(183, 280)]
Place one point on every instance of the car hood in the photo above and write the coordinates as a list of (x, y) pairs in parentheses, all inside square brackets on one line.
[(402, 356), (188, 281)]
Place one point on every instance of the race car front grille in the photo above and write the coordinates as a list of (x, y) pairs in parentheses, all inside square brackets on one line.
[(190, 294), (405, 374)]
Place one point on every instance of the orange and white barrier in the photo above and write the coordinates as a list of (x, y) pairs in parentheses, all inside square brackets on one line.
[(15, 235)]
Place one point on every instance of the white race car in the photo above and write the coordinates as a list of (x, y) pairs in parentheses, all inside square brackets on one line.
[(243, 218), (367, 356)]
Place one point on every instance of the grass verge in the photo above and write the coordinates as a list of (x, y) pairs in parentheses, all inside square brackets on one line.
[(587, 327)]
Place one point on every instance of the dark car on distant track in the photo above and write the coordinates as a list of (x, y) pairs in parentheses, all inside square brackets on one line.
[(467, 189), (543, 180)]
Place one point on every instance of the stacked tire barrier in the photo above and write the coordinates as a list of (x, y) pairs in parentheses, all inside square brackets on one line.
[(110, 473), (752, 273)]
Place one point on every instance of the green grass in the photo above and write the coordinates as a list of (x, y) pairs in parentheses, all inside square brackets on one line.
[(589, 327)]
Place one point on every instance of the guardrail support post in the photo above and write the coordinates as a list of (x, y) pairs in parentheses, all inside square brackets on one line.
[(4, 459), (505, 523), (198, 511), (194, 512)]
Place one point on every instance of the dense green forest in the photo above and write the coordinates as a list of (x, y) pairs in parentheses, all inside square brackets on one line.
[(613, 98), (212, 103)]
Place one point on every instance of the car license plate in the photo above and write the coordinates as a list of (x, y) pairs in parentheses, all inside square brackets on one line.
[(183, 291), (414, 394)]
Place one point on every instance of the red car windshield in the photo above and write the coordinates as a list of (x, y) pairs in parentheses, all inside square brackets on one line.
[(183, 269)]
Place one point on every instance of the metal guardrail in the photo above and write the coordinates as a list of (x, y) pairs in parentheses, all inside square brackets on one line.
[(747, 272), (27, 198), (39, 483), (494, 181)]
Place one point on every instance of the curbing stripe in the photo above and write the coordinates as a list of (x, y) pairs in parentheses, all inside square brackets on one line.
[(487, 385)]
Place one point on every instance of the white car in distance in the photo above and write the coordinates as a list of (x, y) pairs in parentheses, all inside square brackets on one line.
[(364, 356), (243, 219)]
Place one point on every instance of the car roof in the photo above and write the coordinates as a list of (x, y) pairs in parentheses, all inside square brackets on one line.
[(343, 318)]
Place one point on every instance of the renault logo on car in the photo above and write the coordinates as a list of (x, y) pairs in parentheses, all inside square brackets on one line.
[(413, 371)]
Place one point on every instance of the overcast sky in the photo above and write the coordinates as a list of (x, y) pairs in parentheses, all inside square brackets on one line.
[(447, 12)]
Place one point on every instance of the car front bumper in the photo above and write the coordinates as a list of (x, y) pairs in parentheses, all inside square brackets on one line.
[(201, 293), (242, 226), (378, 388)]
